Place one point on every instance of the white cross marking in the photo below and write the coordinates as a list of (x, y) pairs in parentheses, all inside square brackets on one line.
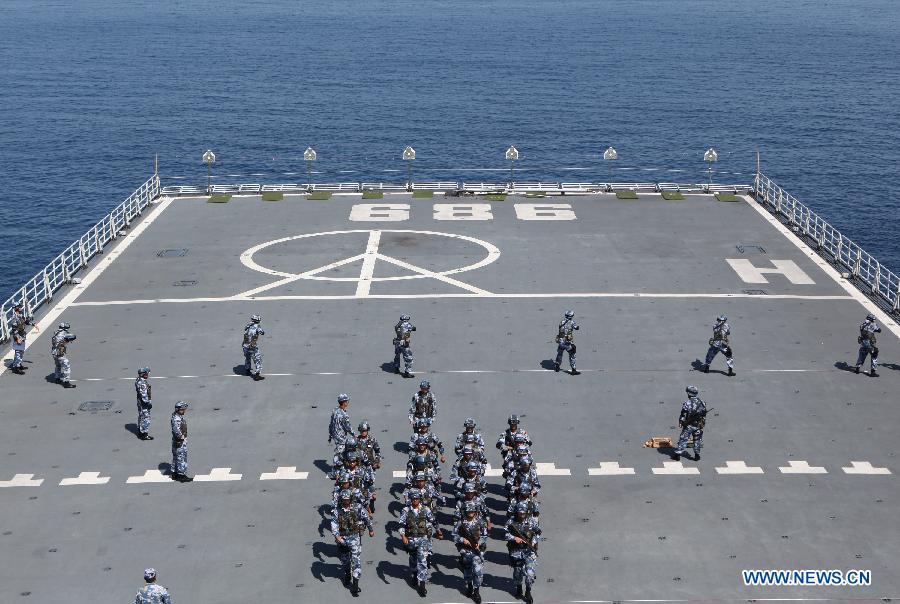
[(864, 467), (674, 467), (22, 480), (739, 467), (802, 467), (550, 469), (284, 473), (217, 475), (85, 478), (149, 476), (609, 468)]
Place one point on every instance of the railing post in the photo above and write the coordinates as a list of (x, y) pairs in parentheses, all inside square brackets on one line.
[(26, 305), (778, 202), (48, 293), (877, 282), (897, 301), (4, 327), (857, 264), (67, 278), (97, 242), (83, 256)]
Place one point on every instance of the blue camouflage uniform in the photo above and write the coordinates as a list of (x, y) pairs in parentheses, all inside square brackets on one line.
[(144, 404), (58, 345), (867, 341), (348, 524), (719, 343), (692, 421), (472, 555), (565, 342), (422, 405), (17, 330), (403, 334), (179, 444), (339, 428), (523, 557), (152, 594), (477, 442), (418, 525), (435, 444), (431, 496), (480, 502), (252, 355)]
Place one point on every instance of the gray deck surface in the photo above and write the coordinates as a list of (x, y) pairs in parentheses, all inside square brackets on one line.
[(642, 536)]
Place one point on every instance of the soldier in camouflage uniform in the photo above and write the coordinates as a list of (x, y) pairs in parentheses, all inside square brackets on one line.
[(368, 446), (468, 429), (179, 443), (339, 428), (347, 523), (151, 593), (417, 526), (431, 496), (58, 345), (423, 404), (252, 356), (507, 439), (402, 336), (470, 493), (361, 478), (522, 534), (470, 536), (692, 421), (524, 472), (468, 453), (343, 483), (144, 402), (422, 459), (471, 475), (17, 326), (719, 343), (565, 341), (423, 428), (867, 347), (524, 494)]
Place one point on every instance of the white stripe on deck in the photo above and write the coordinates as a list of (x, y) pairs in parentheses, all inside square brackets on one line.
[(284, 473), (864, 467), (399, 474), (550, 469), (738, 467), (217, 475), (368, 265), (149, 476), (84, 478), (489, 471), (22, 480), (802, 467), (674, 467), (610, 468)]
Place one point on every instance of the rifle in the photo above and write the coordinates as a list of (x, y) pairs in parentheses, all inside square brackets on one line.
[(530, 544)]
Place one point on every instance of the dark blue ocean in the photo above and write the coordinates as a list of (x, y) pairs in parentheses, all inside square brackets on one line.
[(90, 90)]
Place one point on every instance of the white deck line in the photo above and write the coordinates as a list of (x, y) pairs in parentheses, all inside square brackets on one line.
[(368, 266), (109, 256), (243, 298), (883, 318)]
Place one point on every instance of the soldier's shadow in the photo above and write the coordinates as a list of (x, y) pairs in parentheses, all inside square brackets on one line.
[(549, 364), (323, 465), (133, 429), (845, 367), (401, 446), (387, 569), (50, 379), (396, 490), (498, 505), (322, 567), (395, 508), (892, 366), (498, 490), (452, 579), (698, 366), (326, 519), (388, 368), (239, 370), (164, 467)]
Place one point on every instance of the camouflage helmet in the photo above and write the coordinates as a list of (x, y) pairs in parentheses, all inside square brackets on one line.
[(343, 397), (570, 314), (469, 488), (469, 423), (870, 317), (424, 384), (181, 405), (521, 508), (149, 574), (351, 456), (692, 390), (472, 465), (255, 318), (423, 422), (349, 443), (525, 488), (420, 475), (364, 426), (513, 420), (64, 325), (420, 462), (345, 495), (343, 476), (415, 494), (468, 450), (470, 507), (525, 462), (404, 317), (520, 438), (521, 450), (721, 318), (144, 371)]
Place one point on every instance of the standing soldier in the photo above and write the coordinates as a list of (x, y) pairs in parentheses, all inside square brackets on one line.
[(431, 497), (470, 493), (565, 341), (867, 346), (423, 405), (470, 536), (252, 355), (692, 421), (179, 443), (719, 343), (522, 535), (526, 494), (344, 482), (362, 478), (347, 524), (468, 428), (417, 526), (151, 593), (368, 446), (58, 345), (507, 439), (17, 330), (144, 403), (339, 428), (422, 428), (402, 336)]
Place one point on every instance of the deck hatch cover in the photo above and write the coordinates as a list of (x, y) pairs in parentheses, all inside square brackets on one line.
[(756, 292), (173, 253), (752, 248), (186, 283), (95, 406)]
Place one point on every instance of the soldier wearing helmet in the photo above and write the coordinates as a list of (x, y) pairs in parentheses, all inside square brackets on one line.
[(470, 534), (17, 330), (719, 343), (522, 537), (867, 347), (422, 459), (417, 526), (339, 428), (144, 402), (525, 493), (361, 477), (506, 440), (423, 404), (692, 421), (348, 521), (252, 355), (470, 493), (343, 482), (431, 496), (525, 472), (152, 592), (467, 453), (422, 427), (469, 429), (471, 475), (368, 445), (565, 341), (402, 337), (58, 348)]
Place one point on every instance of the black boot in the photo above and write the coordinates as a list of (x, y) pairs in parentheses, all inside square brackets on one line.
[(519, 591), (528, 598), (676, 456), (257, 377), (476, 596), (18, 370), (696, 457), (422, 591), (706, 369), (354, 589), (468, 589), (873, 373), (730, 372), (68, 384), (575, 372), (371, 506), (346, 577), (407, 374), (555, 366), (144, 436), (856, 369)]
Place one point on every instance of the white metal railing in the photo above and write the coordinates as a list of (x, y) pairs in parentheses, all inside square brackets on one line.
[(381, 186), (40, 288), (434, 186), (874, 277)]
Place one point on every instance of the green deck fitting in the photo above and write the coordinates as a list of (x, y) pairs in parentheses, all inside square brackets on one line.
[(626, 195), (319, 195), (373, 195), (495, 196), (727, 197), (218, 199), (423, 194), (536, 194), (272, 196), (672, 195)]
